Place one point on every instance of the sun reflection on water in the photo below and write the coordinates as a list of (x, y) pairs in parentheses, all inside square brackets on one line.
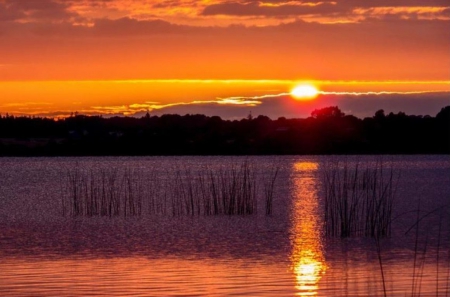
[(308, 263)]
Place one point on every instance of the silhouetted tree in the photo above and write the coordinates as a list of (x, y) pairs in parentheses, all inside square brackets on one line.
[(379, 114), (327, 112), (328, 131), (444, 113)]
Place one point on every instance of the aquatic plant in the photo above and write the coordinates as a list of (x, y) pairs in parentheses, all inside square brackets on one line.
[(179, 191), (358, 202), (426, 247), (269, 187), (102, 193)]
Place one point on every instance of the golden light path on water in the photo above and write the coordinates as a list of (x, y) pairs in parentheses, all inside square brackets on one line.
[(308, 262)]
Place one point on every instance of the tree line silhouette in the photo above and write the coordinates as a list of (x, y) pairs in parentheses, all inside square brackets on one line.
[(326, 131)]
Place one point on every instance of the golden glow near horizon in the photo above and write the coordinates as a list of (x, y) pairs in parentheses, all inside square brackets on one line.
[(128, 97), (304, 92), (308, 262)]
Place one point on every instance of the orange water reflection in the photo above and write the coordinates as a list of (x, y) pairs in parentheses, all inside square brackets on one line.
[(139, 276), (307, 257)]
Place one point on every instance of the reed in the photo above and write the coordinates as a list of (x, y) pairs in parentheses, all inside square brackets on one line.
[(229, 191), (102, 193), (380, 263), (416, 242), (447, 278), (177, 192), (421, 250), (269, 187), (358, 202), (419, 263)]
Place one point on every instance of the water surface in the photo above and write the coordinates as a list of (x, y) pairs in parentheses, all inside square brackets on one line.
[(46, 253)]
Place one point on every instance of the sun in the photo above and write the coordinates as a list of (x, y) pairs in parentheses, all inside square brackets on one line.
[(304, 92)]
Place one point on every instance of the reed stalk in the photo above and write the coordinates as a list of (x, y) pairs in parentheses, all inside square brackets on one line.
[(358, 202), (269, 187), (183, 192)]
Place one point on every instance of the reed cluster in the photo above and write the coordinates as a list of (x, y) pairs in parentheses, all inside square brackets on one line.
[(429, 249), (102, 193), (358, 201), (177, 192)]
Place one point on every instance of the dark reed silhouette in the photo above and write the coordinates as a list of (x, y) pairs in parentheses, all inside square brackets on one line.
[(358, 201), (177, 192)]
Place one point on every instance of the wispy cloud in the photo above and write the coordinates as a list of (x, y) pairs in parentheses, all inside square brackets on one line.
[(378, 93), (283, 105), (134, 108), (25, 104), (360, 104)]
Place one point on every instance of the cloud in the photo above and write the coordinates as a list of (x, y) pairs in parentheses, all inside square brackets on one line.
[(360, 105), (34, 11), (138, 108), (282, 105), (274, 106), (102, 46), (414, 104), (26, 104), (131, 27), (339, 8), (203, 13), (275, 9)]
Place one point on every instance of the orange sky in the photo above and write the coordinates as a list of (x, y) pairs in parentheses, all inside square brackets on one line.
[(69, 55)]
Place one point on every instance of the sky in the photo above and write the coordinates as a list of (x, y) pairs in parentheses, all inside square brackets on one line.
[(226, 58)]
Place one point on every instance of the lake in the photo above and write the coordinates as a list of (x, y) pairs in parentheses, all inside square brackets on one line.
[(164, 247)]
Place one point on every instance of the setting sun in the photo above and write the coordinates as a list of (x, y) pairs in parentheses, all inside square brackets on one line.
[(304, 92)]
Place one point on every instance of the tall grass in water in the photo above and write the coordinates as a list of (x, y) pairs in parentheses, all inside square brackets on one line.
[(102, 193), (358, 201), (181, 192), (230, 191), (269, 187), (421, 254)]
